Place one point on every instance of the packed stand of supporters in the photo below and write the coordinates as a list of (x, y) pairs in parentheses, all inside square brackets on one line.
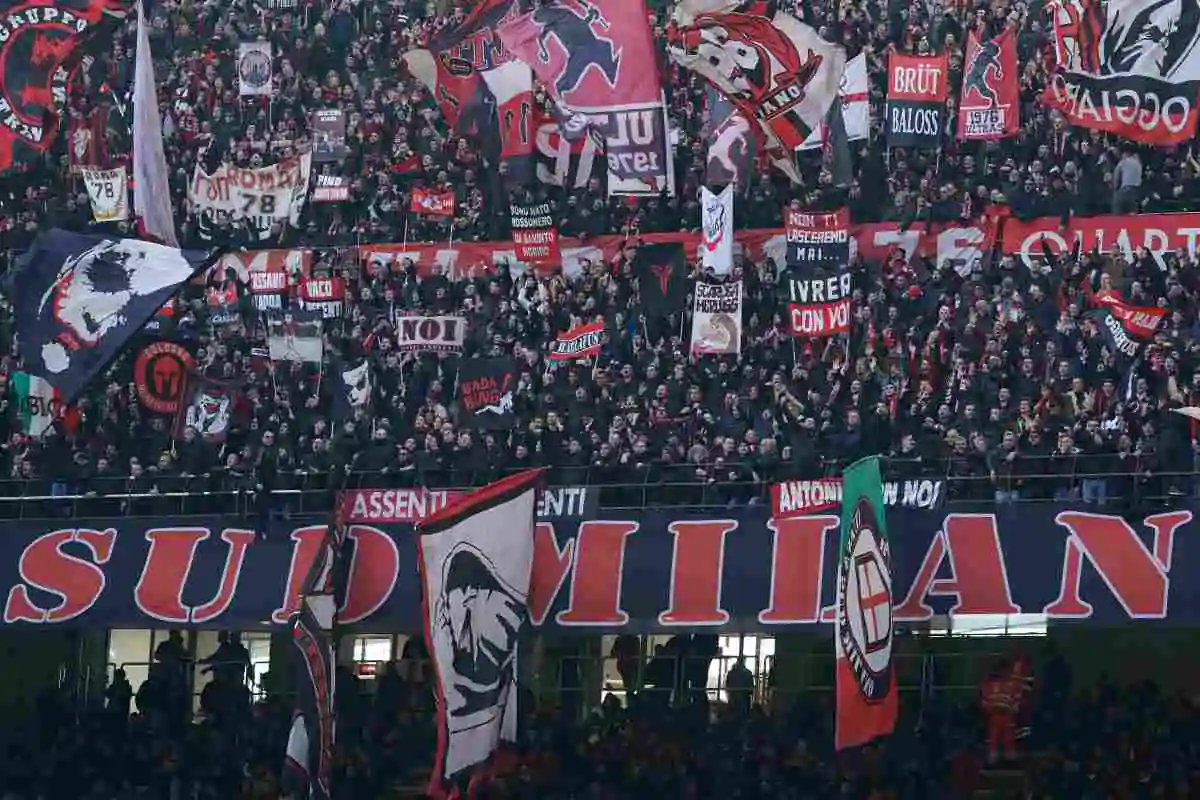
[(989, 377), (668, 737)]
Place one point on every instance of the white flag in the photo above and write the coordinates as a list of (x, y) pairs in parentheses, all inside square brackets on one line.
[(717, 319), (856, 107), (476, 559), (716, 247), (109, 193), (254, 69), (151, 191)]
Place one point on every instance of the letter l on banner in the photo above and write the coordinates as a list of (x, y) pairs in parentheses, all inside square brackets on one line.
[(867, 702), (717, 225)]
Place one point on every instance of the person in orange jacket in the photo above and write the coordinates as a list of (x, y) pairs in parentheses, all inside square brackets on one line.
[(1001, 701)]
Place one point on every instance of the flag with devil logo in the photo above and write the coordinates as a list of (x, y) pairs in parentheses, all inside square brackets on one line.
[(476, 561)]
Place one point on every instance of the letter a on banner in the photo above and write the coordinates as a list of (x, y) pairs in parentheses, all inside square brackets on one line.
[(867, 703), (717, 226)]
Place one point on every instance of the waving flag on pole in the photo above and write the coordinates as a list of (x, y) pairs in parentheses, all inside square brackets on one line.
[(867, 702), (151, 190), (476, 562), (80, 298)]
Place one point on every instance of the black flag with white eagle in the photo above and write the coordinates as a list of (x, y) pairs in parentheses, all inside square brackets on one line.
[(476, 560), (78, 299)]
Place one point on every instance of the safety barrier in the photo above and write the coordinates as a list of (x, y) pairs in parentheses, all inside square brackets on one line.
[(1042, 479)]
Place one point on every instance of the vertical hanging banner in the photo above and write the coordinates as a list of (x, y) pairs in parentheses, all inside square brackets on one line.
[(989, 103), (109, 193), (534, 236), (329, 135), (598, 59), (820, 306), (254, 69), (716, 225), (916, 100), (817, 240), (867, 700), (717, 319)]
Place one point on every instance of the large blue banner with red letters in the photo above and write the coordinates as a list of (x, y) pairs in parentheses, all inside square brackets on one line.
[(658, 570)]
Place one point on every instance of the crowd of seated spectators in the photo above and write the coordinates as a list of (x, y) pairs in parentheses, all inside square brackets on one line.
[(992, 376), (1106, 741)]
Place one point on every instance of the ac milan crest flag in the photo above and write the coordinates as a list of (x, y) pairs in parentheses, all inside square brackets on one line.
[(80, 298), (867, 701), (476, 561), (989, 104)]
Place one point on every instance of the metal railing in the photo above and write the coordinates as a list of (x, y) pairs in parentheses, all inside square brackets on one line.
[(965, 481)]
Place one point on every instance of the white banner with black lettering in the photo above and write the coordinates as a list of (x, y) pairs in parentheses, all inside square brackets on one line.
[(716, 226), (717, 319), (109, 193), (263, 196), (254, 69)]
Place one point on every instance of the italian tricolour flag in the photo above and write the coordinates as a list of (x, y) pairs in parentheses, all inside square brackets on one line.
[(38, 401), (867, 702)]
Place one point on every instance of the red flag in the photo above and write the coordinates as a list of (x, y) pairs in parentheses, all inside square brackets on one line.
[(427, 201), (990, 99)]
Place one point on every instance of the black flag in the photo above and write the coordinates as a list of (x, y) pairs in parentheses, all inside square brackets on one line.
[(661, 270), (1125, 329), (79, 299), (353, 386), (487, 390)]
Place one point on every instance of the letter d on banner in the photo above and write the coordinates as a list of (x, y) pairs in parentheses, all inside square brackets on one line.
[(716, 212)]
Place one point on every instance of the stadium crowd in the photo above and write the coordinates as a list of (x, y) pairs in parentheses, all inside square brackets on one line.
[(1110, 740), (992, 376)]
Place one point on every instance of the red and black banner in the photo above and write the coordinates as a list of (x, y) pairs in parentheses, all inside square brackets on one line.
[(989, 104), (433, 203), (916, 100), (534, 235), (1125, 329), (582, 341), (41, 44), (817, 240), (820, 306), (326, 295)]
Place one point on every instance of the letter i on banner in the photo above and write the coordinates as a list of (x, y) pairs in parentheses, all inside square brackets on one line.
[(717, 225), (867, 703), (109, 193)]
